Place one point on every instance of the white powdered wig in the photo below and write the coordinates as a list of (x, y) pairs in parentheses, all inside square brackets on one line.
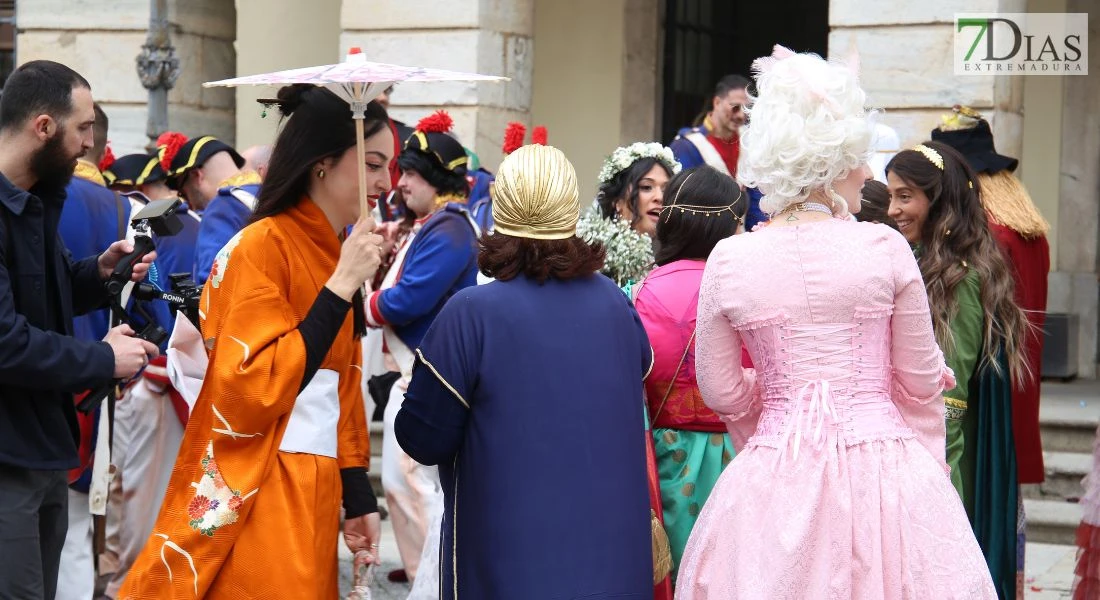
[(807, 128)]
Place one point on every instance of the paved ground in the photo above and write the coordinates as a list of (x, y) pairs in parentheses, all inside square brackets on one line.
[(1048, 569), (382, 588)]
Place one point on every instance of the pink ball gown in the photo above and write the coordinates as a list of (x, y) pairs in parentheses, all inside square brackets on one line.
[(839, 488)]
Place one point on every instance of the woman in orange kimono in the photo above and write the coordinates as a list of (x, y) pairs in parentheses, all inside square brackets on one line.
[(277, 435)]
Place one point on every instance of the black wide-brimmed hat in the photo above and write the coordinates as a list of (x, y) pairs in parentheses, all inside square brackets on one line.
[(135, 169), (431, 137), (195, 153), (976, 144)]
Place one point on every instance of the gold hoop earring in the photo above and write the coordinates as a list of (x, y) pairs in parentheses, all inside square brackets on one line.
[(320, 173)]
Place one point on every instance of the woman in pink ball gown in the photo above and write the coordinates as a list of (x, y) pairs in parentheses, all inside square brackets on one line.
[(839, 488)]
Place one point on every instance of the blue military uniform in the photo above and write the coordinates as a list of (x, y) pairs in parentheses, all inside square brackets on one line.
[(688, 154), (224, 216), (481, 202), (227, 212), (441, 260)]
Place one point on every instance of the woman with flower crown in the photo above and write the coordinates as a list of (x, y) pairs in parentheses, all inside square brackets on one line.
[(840, 487), (628, 204)]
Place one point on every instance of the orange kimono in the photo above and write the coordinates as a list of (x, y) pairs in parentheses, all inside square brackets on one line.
[(253, 506)]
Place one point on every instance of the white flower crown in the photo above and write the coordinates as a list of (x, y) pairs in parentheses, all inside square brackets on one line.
[(624, 156)]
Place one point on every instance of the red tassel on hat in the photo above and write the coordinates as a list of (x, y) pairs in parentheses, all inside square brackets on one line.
[(513, 137), (168, 144), (538, 135), (107, 160), (437, 122)]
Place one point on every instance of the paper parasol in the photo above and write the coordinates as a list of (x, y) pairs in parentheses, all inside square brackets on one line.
[(358, 82)]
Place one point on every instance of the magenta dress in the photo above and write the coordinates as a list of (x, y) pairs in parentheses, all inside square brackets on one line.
[(839, 488)]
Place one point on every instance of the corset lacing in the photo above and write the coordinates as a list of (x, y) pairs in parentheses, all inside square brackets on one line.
[(823, 358)]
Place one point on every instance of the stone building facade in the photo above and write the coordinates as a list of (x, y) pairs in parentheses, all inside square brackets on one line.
[(595, 73)]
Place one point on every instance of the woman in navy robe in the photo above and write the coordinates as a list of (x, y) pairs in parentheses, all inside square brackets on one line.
[(527, 392)]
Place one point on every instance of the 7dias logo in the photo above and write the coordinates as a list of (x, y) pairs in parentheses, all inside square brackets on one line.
[(1021, 44)]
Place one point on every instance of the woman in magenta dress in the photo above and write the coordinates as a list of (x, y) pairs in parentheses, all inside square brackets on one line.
[(841, 489), (690, 441)]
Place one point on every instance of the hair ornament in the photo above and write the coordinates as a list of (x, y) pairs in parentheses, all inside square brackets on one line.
[(437, 122), (624, 156), (932, 156), (696, 209)]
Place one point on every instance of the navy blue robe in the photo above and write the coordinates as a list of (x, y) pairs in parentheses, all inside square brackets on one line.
[(529, 398)]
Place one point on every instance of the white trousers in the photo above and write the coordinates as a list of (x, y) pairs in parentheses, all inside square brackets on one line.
[(413, 493), (146, 442), (76, 577)]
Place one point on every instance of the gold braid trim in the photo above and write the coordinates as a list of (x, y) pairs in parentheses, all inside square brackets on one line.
[(955, 409), (1007, 202)]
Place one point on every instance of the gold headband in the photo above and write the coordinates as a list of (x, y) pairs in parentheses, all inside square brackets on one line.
[(699, 210), (535, 195), (932, 156)]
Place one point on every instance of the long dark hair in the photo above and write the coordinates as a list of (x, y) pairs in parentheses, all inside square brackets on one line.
[(875, 204), (318, 125), (624, 185), (955, 239), (694, 232)]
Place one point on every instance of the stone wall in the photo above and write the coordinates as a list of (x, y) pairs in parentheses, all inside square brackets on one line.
[(101, 40), (906, 68), (1074, 286), (492, 37)]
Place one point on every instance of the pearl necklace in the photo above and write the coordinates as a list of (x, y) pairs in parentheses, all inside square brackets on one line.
[(805, 207)]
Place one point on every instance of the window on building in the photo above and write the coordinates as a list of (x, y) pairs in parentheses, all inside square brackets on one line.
[(7, 39), (707, 39)]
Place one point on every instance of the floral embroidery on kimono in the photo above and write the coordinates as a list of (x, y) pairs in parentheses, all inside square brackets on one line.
[(215, 504), (221, 261)]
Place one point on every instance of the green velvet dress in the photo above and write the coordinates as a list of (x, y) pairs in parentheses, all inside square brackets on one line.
[(980, 447)]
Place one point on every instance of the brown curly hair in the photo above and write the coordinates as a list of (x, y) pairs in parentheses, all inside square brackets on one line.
[(505, 257)]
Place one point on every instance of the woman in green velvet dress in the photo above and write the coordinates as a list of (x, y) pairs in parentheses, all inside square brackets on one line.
[(934, 200)]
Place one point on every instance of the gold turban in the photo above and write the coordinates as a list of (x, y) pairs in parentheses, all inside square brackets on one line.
[(535, 195)]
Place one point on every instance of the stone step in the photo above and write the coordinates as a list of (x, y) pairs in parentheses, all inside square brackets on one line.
[(1068, 436), (1052, 521), (1069, 415), (1064, 472)]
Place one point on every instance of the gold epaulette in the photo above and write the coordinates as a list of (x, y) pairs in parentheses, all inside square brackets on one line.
[(242, 178), (89, 172)]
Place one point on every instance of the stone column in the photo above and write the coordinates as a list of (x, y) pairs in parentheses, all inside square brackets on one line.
[(492, 37), (204, 34), (101, 40), (1074, 286)]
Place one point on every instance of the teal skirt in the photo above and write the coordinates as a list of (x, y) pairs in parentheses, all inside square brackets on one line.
[(688, 465)]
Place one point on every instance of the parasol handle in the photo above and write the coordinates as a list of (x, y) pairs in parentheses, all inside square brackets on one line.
[(361, 157), (360, 153)]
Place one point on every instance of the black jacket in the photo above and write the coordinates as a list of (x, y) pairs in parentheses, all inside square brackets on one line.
[(41, 364)]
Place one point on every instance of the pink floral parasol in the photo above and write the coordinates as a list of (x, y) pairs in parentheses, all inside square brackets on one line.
[(358, 82)]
